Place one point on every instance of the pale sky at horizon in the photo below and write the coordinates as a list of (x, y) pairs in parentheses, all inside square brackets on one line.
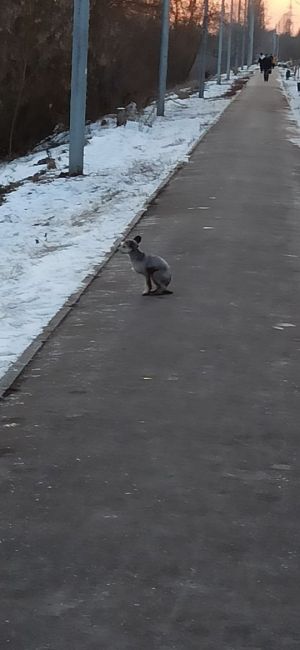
[(276, 8)]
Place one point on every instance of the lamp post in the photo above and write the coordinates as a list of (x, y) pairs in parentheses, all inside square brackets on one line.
[(203, 50), (229, 43), (238, 36), (244, 34), (78, 86), (251, 33), (220, 49), (163, 63)]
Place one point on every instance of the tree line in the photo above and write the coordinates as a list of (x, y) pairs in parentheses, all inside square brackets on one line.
[(289, 47), (35, 54)]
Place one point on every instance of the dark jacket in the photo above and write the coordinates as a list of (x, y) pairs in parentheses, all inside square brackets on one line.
[(267, 63)]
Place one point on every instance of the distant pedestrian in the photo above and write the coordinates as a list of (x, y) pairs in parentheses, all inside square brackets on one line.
[(260, 61), (267, 66)]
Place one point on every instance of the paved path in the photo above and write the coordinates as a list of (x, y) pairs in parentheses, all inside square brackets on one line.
[(150, 453)]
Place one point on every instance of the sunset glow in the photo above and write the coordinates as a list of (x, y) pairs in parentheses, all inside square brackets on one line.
[(276, 8)]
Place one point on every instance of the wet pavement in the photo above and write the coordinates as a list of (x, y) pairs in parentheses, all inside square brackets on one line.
[(149, 452)]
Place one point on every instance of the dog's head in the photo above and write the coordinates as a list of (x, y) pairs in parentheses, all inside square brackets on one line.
[(130, 245)]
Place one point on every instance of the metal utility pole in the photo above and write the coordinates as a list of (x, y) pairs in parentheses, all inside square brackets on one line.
[(229, 42), (220, 50), (275, 43), (251, 33), (163, 63), (277, 47), (238, 36), (244, 33), (203, 50), (78, 85)]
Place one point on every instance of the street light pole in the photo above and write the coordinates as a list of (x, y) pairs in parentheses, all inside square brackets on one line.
[(229, 42), (275, 43), (244, 34), (163, 63), (78, 86), (251, 33), (238, 36), (277, 46), (220, 50), (203, 50)]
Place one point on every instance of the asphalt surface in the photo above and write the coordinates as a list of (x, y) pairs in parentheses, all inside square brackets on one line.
[(150, 452)]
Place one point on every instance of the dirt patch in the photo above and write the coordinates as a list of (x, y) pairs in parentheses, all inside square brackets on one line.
[(236, 86), (6, 189), (11, 187)]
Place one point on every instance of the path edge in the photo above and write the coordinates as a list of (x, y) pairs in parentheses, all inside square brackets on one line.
[(16, 369)]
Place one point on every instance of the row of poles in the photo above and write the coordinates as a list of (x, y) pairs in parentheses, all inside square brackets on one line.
[(80, 55), (247, 30)]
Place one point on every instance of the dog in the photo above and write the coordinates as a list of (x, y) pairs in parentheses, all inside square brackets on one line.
[(155, 269)]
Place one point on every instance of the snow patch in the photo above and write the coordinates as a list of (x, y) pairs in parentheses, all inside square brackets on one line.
[(55, 229)]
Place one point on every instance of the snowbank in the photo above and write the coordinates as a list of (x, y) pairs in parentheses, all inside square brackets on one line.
[(290, 89)]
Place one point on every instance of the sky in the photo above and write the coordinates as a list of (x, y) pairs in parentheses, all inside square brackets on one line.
[(275, 9)]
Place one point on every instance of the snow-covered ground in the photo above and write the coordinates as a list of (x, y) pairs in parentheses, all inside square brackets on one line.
[(54, 231), (291, 90)]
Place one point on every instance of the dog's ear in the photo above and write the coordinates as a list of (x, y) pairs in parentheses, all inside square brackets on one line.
[(138, 239)]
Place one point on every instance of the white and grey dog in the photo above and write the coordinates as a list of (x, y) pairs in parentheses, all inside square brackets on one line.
[(154, 268)]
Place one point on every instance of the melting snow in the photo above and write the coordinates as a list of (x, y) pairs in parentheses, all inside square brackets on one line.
[(55, 231)]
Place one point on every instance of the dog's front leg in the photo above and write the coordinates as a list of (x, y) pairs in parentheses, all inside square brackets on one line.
[(148, 287)]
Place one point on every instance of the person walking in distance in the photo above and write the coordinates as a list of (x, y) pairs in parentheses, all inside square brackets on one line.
[(260, 61), (267, 65)]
